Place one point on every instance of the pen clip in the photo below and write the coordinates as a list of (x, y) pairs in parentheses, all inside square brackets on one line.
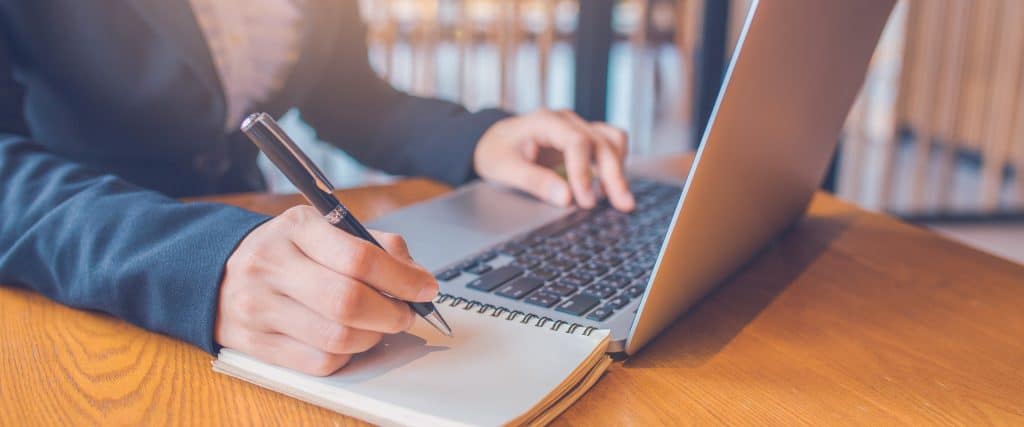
[(271, 126)]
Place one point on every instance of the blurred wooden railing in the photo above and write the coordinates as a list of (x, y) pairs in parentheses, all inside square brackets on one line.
[(947, 138), (526, 38)]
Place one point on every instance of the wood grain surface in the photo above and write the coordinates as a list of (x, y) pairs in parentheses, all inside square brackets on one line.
[(851, 318)]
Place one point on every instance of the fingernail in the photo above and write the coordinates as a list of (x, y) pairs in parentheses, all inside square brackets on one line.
[(587, 200), (427, 293), (558, 193)]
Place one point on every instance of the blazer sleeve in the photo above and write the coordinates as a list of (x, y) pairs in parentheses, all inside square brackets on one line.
[(94, 241), (356, 110)]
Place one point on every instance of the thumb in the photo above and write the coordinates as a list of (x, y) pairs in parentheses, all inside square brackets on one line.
[(538, 181)]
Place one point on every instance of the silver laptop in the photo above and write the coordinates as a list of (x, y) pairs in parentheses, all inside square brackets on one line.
[(797, 68)]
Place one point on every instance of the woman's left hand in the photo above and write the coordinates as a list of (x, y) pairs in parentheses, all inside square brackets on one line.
[(521, 151)]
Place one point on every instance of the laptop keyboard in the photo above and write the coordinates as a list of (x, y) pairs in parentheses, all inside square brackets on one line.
[(590, 263)]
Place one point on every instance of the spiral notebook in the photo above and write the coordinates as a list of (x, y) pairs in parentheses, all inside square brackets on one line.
[(500, 368)]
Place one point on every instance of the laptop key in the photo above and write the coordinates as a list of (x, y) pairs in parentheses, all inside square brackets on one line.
[(611, 260), (576, 280), (486, 256), (612, 233), (583, 275), (532, 242), (593, 270), (495, 278), (541, 252), (634, 271), (572, 236), (635, 291), (599, 291), (519, 287), (448, 275), (513, 249), (578, 304), (547, 273), (581, 250), (600, 314), (556, 244), (479, 269), (576, 256), (616, 251), (642, 280), (543, 299), (617, 280), (527, 261), (563, 264), (560, 289), (619, 301)]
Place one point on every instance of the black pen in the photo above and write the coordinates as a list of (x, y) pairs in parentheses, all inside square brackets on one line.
[(307, 177)]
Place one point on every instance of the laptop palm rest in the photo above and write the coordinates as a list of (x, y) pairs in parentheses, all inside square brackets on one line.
[(446, 229)]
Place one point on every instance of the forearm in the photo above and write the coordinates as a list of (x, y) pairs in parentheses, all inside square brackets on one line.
[(410, 136), (353, 108), (94, 241)]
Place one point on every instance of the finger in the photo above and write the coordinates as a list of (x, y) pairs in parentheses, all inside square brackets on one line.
[(601, 132), (361, 260), (536, 180), (575, 145), (393, 243), (613, 178), (287, 352), (344, 300), (578, 158), (618, 137), (291, 318), (609, 161)]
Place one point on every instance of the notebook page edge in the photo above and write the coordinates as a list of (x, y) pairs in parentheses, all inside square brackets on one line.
[(573, 379), (397, 414), (586, 383), (570, 383)]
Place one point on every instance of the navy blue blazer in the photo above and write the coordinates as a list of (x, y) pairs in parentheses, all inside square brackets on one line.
[(110, 109)]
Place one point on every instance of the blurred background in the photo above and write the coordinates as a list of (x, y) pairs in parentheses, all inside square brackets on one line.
[(936, 137)]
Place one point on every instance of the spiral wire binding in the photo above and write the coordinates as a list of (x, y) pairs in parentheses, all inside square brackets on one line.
[(512, 315)]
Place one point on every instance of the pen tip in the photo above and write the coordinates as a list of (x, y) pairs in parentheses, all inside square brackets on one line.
[(438, 322)]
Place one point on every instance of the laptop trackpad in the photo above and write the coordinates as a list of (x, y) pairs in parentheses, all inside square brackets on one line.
[(448, 228)]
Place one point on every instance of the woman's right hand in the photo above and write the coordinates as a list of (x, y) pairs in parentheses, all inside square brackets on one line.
[(302, 294)]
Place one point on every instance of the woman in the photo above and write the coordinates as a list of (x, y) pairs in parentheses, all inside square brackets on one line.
[(110, 110)]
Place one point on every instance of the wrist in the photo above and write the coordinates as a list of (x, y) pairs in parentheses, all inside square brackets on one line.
[(494, 120)]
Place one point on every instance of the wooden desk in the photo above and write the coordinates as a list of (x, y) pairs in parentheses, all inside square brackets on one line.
[(853, 318)]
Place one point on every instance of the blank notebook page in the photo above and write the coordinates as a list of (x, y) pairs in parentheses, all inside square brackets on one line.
[(493, 371)]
